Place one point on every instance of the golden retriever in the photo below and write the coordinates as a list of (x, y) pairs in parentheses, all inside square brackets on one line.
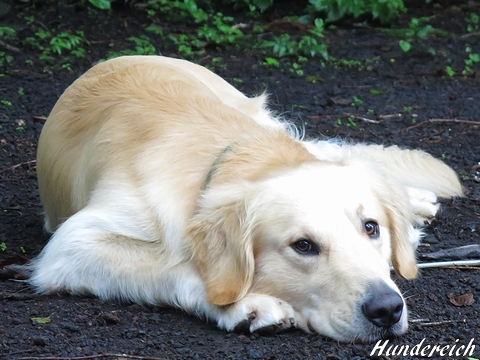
[(165, 185)]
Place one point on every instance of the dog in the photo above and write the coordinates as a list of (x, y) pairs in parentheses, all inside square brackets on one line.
[(165, 185)]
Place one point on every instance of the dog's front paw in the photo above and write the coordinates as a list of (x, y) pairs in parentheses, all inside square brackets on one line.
[(256, 312), (424, 205)]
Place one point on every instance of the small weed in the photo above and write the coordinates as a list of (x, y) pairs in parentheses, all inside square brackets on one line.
[(307, 46), (407, 109), (19, 128), (269, 61), (416, 30), (405, 45), (5, 58), (471, 61), (370, 112), (473, 22), (3, 246), (5, 103), (314, 79), (356, 101), (237, 81), (143, 46), (156, 30), (29, 20), (22, 250), (296, 69), (378, 91), (63, 44), (449, 71), (6, 32), (351, 122), (21, 91)]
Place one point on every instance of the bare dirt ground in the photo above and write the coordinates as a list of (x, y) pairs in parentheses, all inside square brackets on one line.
[(410, 98)]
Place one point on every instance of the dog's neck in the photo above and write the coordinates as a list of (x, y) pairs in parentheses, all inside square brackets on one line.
[(254, 158)]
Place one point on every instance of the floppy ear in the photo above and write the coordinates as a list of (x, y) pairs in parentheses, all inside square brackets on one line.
[(413, 168), (398, 212), (223, 246)]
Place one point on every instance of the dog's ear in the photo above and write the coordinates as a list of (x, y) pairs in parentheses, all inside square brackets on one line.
[(414, 168), (223, 245), (399, 215)]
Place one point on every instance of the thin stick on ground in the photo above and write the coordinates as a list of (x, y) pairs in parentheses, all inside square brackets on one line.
[(430, 121), (456, 263), (13, 167), (87, 357), (9, 47)]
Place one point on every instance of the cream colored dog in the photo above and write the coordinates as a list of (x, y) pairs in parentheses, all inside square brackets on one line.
[(165, 185)]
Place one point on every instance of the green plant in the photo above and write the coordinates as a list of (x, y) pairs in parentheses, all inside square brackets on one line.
[(179, 11), (383, 10), (269, 61), (404, 45), (473, 22), (297, 69), (101, 4), (3, 246), (66, 41), (253, 6), (6, 32), (351, 122), (356, 101), (220, 32), (63, 44), (471, 61), (449, 71), (5, 103), (5, 58), (21, 91), (416, 30)]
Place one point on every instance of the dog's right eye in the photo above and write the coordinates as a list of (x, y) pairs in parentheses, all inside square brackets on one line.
[(305, 247)]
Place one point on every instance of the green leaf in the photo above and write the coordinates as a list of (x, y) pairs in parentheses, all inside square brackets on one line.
[(41, 320), (101, 4), (404, 45), (378, 92)]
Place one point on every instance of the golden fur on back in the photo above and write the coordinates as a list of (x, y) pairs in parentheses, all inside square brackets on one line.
[(166, 185)]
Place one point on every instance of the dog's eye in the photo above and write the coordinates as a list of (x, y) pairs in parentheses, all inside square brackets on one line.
[(372, 229), (305, 247)]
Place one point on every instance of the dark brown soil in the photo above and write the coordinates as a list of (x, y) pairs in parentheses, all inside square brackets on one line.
[(417, 105)]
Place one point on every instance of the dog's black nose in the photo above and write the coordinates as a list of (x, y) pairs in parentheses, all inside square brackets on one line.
[(383, 308)]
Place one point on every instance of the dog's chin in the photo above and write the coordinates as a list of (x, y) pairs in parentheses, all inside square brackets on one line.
[(363, 332)]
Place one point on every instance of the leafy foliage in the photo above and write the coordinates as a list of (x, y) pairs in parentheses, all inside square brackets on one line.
[(383, 10)]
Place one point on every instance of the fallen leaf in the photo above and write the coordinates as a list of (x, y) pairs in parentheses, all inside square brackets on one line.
[(461, 300)]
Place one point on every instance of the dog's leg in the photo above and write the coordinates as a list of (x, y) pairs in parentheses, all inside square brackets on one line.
[(256, 312), (85, 256)]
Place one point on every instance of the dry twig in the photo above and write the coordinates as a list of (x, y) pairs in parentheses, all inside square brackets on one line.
[(9, 47), (13, 167), (87, 357), (429, 121)]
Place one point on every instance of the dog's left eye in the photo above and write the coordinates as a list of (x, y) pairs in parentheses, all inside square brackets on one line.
[(372, 229), (305, 247)]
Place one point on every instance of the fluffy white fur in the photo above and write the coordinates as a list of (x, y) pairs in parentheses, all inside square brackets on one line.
[(165, 185)]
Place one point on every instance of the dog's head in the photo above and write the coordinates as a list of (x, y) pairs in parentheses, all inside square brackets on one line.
[(321, 237)]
